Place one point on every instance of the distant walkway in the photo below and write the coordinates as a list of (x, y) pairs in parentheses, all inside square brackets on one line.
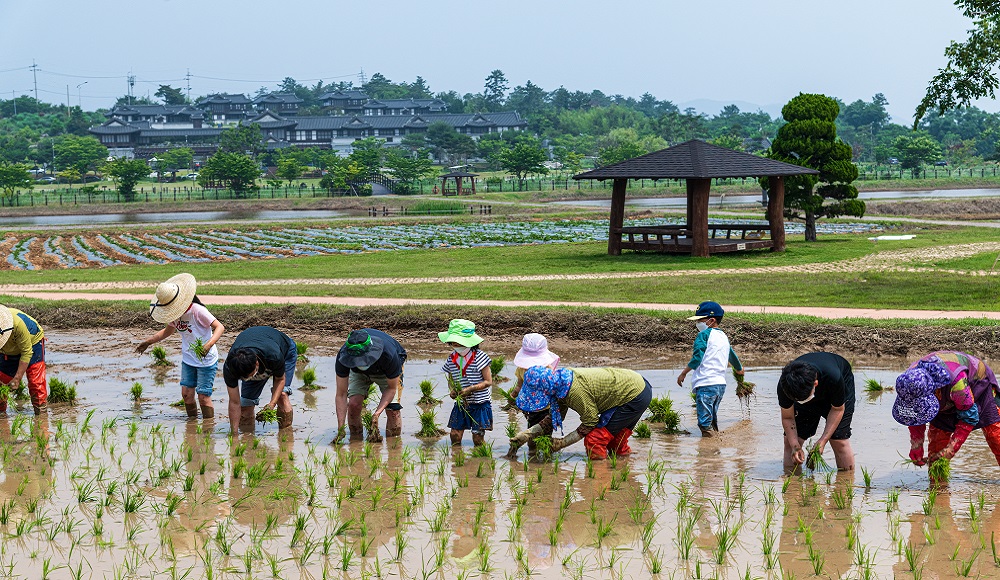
[(826, 313)]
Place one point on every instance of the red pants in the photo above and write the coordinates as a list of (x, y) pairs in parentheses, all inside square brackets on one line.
[(938, 439), (37, 385)]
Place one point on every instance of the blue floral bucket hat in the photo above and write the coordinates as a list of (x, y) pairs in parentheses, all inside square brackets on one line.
[(915, 401), (543, 387)]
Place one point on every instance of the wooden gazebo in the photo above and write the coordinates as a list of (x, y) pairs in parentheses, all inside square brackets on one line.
[(457, 189), (698, 163)]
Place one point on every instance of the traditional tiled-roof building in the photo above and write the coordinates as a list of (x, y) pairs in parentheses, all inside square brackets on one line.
[(226, 108), (282, 103)]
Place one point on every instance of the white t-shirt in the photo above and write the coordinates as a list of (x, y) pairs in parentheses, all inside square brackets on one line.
[(195, 323), (712, 357)]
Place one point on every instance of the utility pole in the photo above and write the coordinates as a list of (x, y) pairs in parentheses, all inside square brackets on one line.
[(13, 99), (361, 76), (34, 75), (131, 83), (187, 77), (67, 102)]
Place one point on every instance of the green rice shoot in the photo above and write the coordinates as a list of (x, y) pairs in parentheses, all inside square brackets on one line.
[(136, 392), (309, 380), (179, 404), (21, 392), (59, 392), (267, 415), (496, 367), (199, 348), (300, 349), (940, 470), (642, 430), (662, 409), (366, 419), (428, 424), (744, 388), (511, 430), (4, 393), (159, 356), (874, 386), (427, 394), (815, 461), (543, 448)]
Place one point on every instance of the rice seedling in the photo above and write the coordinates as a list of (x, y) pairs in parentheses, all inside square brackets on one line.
[(429, 426), (136, 392), (132, 500), (744, 388), (875, 387), (911, 555), (59, 392), (496, 367), (300, 349), (816, 559), (309, 380), (543, 448), (159, 356), (198, 347), (267, 415), (662, 409), (604, 529), (427, 394), (940, 471), (964, 567), (366, 420), (866, 475), (815, 461)]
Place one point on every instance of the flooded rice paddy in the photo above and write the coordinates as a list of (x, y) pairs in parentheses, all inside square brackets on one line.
[(109, 488)]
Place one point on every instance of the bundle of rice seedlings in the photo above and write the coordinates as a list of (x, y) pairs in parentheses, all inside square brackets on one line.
[(875, 387), (496, 367), (373, 394), (427, 394), (159, 356), (642, 430), (744, 388), (199, 348), (60, 392), (4, 393), (543, 448), (366, 419), (511, 430), (136, 392), (21, 391), (815, 461), (309, 380), (662, 409), (300, 349), (940, 470), (428, 424), (267, 415), (179, 404)]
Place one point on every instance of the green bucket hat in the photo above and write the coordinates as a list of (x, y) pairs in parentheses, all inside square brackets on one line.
[(461, 331)]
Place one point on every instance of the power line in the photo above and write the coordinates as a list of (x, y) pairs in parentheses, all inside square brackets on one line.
[(15, 69)]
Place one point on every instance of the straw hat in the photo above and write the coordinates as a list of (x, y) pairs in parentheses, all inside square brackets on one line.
[(534, 352), (462, 332), (173, 298), (6, 324)]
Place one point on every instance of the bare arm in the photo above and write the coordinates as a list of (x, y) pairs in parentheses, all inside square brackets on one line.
[(832, 422), (387, 396), (167, 331), (276, 389), (792, 435), (217, 330), (485, 384), (341, 402)]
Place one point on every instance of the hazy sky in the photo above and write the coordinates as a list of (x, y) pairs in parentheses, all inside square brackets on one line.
[(762, 52)]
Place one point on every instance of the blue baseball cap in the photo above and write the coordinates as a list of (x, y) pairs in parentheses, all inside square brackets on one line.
[(708, 309)]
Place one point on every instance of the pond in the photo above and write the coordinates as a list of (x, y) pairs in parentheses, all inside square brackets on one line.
[(115, 488)]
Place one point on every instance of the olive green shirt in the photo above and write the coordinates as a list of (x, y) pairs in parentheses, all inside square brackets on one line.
[(22, 338), (596, 390)]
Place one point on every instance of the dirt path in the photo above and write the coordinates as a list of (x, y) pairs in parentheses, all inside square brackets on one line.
[(826, 313)]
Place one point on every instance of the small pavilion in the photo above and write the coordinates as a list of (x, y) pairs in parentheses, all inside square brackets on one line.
[(698, 163), (457, 189)]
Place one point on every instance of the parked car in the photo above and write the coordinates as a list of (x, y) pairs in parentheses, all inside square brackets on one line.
[(191, 176), (941, 163), (893, 161), (46, 179)]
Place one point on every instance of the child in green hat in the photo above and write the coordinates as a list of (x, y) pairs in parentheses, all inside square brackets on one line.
[(468, 370)]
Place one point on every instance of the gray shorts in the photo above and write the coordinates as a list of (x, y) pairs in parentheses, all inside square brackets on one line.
[(359, 383)]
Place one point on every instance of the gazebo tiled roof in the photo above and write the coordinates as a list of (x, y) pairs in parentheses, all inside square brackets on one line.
[(695, 160)]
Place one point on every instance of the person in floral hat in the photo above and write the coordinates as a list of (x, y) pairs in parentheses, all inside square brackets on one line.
[(955, 393)]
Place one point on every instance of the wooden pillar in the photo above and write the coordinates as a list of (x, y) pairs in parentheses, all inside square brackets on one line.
[(473, 180), (776, 212), (617, 217), (689, 183), (458, 185), (698, 211)]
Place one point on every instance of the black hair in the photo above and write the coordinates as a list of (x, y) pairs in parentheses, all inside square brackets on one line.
[(797, 380), (242, 362), (196, 300)]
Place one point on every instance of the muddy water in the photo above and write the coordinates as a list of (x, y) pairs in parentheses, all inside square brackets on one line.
[(301, 507)]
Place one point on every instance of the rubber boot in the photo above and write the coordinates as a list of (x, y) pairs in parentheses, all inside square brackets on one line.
[(192, 410), (619, 444), (706, 432), (596, 442)]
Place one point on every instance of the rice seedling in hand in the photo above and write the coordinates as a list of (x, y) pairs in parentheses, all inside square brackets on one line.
[(543, 448), (427, 394), (59, 392), (267, 415), (642, 430), (815, 461), (940, 471), (662, 409), (744, 388), (198, 346), (429, 426), (136, 392), (159, 356)]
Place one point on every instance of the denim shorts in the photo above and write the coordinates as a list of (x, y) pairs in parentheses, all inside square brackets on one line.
[(200, 379), (250, 390)]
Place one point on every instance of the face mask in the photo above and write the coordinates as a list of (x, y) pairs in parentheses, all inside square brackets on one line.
[(364, 368), (463, 351), (701, 326), (811, 396)]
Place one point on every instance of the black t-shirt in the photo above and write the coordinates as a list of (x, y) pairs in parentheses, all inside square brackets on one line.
[(836, 381), (270, 345), (390, 363)]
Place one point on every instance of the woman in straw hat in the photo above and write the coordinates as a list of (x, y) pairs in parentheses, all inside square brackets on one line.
[(956, 394), (22, 345), (177, 306)]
